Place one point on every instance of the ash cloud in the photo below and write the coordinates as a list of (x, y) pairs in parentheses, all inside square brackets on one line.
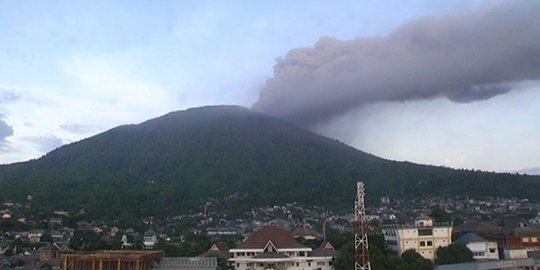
[(465, 58)]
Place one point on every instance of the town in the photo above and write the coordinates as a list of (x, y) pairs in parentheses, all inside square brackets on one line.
[(494, 228)]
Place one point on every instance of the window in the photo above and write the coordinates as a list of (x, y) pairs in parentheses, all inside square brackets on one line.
[(425, 231), (391, 242), (422, 243), (492, 250), (429, 243)]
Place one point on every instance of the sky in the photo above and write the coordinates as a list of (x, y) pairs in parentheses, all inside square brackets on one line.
[(449, 83)]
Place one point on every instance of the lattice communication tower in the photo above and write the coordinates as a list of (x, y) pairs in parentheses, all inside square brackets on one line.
[(360, 228)]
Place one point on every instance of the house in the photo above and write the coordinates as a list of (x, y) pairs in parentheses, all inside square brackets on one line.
[(517, 238), (55, 222), (480, 228), (219, 249), (481, 248), (84, 225), (34, 236), (57, 236), (223, 231), (424, 236), (304, 232), (5, 263), (125, 242), (276, 248), (149, 239)]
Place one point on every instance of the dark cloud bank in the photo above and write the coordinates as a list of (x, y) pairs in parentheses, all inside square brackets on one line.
[(465, 58)]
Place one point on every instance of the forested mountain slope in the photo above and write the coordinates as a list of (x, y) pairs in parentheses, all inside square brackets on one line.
[(169, 165)]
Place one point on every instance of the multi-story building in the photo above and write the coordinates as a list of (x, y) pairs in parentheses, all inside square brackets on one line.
[(481, 248), (424, 236), (273, 248)]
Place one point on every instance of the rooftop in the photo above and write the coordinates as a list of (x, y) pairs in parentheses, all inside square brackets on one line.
[(280, 239)]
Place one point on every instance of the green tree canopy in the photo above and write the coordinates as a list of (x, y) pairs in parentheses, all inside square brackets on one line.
[(415, 261), (454, 253)]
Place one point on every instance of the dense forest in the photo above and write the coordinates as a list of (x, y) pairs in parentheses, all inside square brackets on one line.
[(172, 164)]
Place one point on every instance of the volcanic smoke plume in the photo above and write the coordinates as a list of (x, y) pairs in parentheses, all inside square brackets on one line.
[(465, 58)]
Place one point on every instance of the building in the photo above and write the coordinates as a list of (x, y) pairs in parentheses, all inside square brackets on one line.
[(149, 239), (34, 236), (223, 231), (304, 232), (111, 260), (275, 248), (525, 264), (188, 263), (218, 249), (481, 248), (424, 236)]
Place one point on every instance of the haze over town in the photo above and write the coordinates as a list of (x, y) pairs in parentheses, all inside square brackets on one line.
[(457, 86)]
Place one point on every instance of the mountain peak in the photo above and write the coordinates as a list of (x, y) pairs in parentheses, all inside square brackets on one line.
[(173, 163)]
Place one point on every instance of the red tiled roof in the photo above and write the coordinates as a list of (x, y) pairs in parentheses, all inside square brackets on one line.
[(302, 231), (324, 250), (279, 237)]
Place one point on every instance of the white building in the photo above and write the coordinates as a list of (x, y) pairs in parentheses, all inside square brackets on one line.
[(425, 237), (273, 248), (149, 239), (481, 248)]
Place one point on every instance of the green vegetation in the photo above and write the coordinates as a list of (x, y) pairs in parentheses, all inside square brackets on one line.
[(454, 253), (169, 165), (380, 257)]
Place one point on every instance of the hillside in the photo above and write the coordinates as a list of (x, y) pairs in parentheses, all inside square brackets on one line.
[(170, 164)]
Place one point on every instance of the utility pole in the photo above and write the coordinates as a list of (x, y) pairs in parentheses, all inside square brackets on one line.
[(361, 245)]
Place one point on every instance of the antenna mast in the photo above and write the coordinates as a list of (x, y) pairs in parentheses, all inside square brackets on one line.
[(360, 228)]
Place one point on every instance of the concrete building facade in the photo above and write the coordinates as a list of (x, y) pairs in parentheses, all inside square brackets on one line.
[(274, 248), (424, 236)]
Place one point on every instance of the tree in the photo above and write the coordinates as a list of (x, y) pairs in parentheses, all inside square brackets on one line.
[(396, 263), (454, 253), (377, 258), (46, 237), (415, 261), (346, 260), (8, 252), (439, 215)]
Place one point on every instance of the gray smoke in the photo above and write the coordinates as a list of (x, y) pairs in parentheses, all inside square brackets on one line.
[(465, 58)]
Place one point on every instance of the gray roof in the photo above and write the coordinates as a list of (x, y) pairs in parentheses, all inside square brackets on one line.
[(198, 263), (470, 238), (477, 226)]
